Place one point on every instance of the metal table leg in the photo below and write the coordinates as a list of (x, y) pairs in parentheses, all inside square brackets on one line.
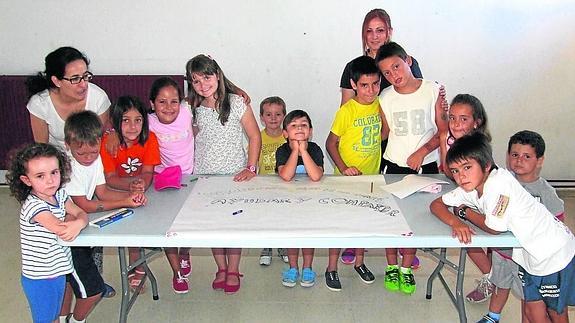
[(456, 299), (127, 299)]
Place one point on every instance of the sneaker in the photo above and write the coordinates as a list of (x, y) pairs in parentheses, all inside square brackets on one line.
[(282, 253), (109, 291), (266, 257), (348, 256), (487, 319), (365, 275), (407, 282), (185, 266), (180, 284), (392, 278), (307, 277), (414, 263), (289, 277), (482, 292), (332, 281)]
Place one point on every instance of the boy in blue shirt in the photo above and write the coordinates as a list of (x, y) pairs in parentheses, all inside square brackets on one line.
[(546, 258)]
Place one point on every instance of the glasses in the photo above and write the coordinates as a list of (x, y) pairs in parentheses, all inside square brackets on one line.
[(88, 76)]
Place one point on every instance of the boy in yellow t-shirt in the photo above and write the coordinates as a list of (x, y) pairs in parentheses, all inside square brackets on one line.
[(354, 145), (272, 113)]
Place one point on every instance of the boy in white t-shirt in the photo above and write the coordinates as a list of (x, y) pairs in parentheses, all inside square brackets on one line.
[(413, 118), (546, 257), (83, 132)]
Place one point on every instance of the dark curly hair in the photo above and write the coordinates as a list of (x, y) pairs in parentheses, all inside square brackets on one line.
[(19, 162)]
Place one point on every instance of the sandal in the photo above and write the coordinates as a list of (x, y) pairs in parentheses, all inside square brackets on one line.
[(231, 289), (135, 279), (218, 285)]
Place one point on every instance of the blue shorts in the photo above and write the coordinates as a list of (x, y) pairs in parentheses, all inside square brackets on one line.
[(556, 290), (45, 297)]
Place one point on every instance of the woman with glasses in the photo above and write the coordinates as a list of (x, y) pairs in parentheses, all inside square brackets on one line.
[(62, 89)]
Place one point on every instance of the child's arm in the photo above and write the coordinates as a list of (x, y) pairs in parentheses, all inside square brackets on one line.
[(109, 200), (332, 144), (459, 229), (443, 154), (76, 220), (287, 171), (314, 171), (415, 160), (252, 130), (384, 126), (138, 183), (49, 221)]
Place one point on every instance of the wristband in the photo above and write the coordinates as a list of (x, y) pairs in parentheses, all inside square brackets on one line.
[(251, 168)]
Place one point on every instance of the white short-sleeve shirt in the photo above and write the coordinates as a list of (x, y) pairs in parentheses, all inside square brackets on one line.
[(547, 243), (41, 106)]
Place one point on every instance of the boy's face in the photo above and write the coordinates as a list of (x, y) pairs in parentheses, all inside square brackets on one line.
[(469, 175), (523, 160), (396, 71), (298, 129), (273, 116), (367, 88), (85, 154)]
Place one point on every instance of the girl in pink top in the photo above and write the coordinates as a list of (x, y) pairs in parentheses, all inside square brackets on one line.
[(171, 120)]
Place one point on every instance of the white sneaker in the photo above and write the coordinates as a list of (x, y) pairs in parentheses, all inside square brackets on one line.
[(266, 257), (282, 253)]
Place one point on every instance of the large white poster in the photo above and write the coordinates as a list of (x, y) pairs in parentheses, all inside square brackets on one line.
[(271, 208)]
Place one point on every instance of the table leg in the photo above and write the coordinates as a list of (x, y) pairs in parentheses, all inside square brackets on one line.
[(459, 301), (435, 272), (125, 285)]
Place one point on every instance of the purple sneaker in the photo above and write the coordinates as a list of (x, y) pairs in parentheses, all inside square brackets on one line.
[(348, 256)]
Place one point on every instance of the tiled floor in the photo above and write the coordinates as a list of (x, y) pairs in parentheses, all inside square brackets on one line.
[(262, 298)]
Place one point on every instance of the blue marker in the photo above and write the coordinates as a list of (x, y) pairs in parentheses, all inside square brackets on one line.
[(111, 218), (237, 212)]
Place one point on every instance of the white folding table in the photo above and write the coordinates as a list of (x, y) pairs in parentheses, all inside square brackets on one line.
[(148, 226)]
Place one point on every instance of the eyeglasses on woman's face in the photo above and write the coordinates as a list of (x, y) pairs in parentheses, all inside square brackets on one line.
[(87, 77)]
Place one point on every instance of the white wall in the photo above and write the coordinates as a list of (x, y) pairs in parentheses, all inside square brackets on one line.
[(517, 56)]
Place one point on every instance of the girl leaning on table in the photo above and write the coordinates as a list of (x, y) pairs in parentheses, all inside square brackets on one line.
[(36, 176), (221, 118), (132, 167)]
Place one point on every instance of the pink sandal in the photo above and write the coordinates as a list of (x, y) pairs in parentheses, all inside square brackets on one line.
[(231, 289), (219, 285), (135, 279)]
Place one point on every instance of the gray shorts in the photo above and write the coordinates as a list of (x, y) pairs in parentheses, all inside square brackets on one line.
[(505, 274)]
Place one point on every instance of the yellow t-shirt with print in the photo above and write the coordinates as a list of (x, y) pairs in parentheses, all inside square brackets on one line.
[(358, 127), (267, 161)]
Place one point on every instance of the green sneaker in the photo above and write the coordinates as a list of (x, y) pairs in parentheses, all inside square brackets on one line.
[(407, 282), (392, 278)]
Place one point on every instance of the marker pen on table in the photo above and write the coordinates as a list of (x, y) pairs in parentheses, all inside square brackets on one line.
[(237, 212)]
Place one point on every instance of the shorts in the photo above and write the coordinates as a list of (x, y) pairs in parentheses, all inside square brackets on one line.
[(556, 290), (505, 274), (86, 281), (393, 168), (45, 297)]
